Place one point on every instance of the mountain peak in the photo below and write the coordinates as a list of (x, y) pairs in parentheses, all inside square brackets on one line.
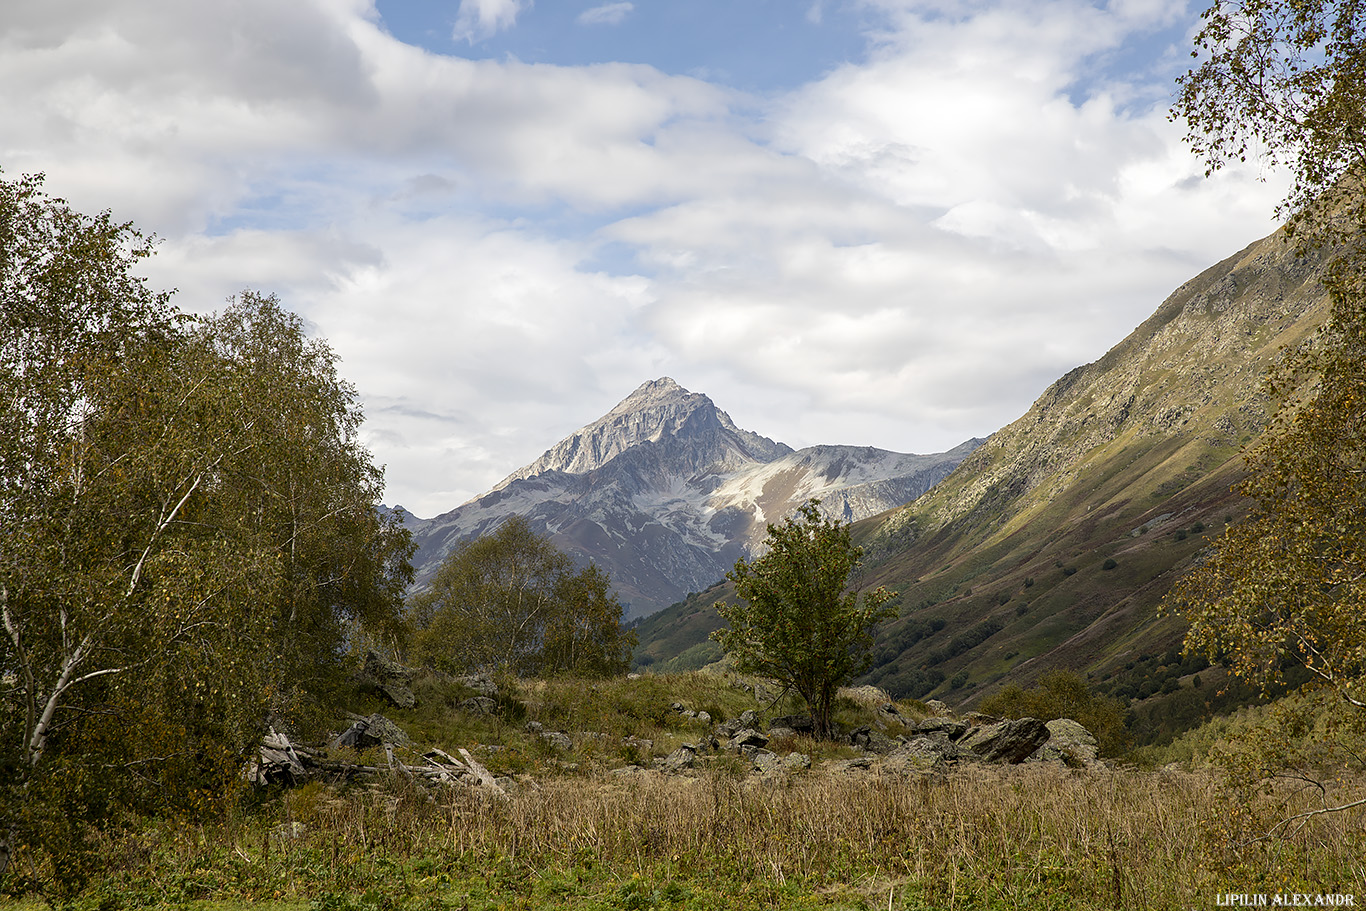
[(658, 411), (656, 394)]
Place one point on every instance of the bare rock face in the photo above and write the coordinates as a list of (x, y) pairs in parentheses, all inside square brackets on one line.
[(1005, 741), (665, 492)]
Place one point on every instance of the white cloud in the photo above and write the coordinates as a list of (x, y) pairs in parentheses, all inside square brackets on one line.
[(480, 19), (902, 254), (606, 14)]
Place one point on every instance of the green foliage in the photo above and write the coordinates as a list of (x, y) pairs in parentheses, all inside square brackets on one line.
[(511, 600), (1283, 79), (189, 523), (794, 621), (1063, 694), (1290, 582)]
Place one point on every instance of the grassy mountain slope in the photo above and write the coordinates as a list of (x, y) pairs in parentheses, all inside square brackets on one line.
[(1052, 544)]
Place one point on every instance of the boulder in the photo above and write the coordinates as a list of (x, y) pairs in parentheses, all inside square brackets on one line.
[(681, 759), (947, 726), (481, 683), (557, 739), (767, 761), (1004, 741), (393, 680), (641, 745), (867, 695), (748, 720), (937, 708), (873, 741), (370, 732), (802, 724), (746, 737), (923, 753), (479, 705), (1069, 743), (977, 719)]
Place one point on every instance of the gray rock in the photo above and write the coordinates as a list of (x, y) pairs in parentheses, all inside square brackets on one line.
[(386, 731), (947, 726), (727, 729), (802, 724), (747, 737), (938, 708), (704, 717), (371, 732), (797, 761), (767, 761), (1005, 741), (557, 739), (479, 705), (781, 733), (922, 753), (481, 683), (639, 744), (873, 741), (1069, 743), (977, 719), (681, 759), (393, 680)]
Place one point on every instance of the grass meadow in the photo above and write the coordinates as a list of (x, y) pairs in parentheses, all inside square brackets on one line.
[(581, 830)]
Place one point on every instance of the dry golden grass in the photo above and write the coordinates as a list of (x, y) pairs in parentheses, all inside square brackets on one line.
[(979, 837)]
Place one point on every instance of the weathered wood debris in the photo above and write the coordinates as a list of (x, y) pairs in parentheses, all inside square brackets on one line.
[(281, 761)]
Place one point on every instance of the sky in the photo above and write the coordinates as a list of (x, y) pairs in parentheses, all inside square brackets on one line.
[(886, 223)]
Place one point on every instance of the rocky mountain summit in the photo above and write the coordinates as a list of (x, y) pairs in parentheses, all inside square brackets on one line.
[(665, 493)]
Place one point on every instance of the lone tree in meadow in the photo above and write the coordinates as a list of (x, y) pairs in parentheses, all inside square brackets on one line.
[(795, 620)]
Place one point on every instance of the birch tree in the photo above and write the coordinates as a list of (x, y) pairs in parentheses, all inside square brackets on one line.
[(512, 600), (189, 529)]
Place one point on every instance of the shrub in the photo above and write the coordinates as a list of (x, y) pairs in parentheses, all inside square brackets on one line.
[(1063, 694)]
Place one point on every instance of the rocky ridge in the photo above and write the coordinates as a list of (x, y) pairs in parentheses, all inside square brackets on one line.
[(665, 492), (1054, 542), (1193, 369)]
